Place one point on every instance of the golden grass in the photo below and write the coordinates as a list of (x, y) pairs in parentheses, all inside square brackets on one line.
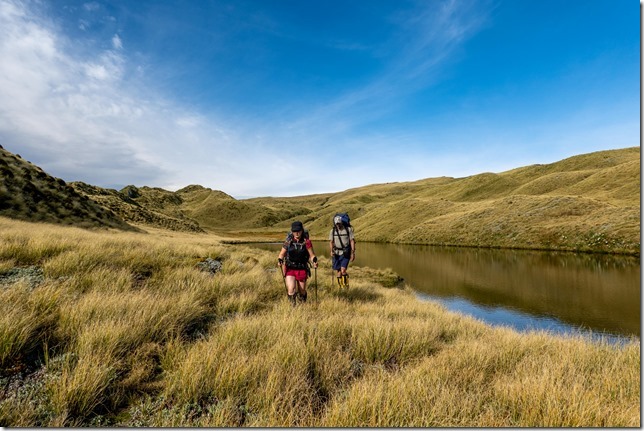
[(125, 330), (25, 320)]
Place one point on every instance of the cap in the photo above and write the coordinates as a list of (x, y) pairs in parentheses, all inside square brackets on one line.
[(337, 220), (297, 226)]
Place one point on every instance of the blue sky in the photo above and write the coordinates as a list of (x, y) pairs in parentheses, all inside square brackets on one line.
[(294, 97)]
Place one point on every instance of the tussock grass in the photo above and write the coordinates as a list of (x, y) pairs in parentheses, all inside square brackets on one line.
[(82, 386), (126, 330), (26, 320), (494, 382), (23, 249)]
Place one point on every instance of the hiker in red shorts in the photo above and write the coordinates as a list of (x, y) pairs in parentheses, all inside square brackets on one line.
[(294, 259)]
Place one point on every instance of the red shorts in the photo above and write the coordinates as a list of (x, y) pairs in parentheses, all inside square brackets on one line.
[(299, 274)]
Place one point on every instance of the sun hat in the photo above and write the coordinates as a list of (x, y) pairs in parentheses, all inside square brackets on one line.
[(297, 226)]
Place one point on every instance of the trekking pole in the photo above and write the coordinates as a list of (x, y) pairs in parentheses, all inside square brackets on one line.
[(283, 276), (316, 287)]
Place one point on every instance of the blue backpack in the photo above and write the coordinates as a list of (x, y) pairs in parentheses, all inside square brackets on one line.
[(344, 217)]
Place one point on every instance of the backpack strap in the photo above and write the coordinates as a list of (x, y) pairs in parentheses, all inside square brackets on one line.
[(299, 247), (337, 232)]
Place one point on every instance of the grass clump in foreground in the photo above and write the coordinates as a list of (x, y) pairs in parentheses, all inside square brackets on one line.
[(124, 329)]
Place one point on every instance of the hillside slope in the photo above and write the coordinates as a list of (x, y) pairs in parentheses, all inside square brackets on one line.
[(193, 208), (28, 193), (589, 202), (215, 210), (144, 206)]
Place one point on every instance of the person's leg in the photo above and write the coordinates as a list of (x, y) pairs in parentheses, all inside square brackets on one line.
[(291, 287), (337, 266), (302, 290), (344, 276)]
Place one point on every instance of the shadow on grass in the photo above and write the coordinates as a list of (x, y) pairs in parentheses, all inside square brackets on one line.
[(356, 294)]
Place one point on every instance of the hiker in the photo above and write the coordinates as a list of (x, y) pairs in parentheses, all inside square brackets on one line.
[(343, 247), (294, 259)]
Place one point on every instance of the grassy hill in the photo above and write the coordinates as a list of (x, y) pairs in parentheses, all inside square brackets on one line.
[(191, 209), (28, 193), (589, 202), (145, 206), (217, 211)]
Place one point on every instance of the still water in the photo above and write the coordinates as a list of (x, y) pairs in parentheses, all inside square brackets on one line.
[(554, 291)]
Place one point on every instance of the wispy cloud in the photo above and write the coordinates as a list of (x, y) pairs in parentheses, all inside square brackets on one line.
[(81, 119), (90, 109), (429, 33), (60, 110), (91, 6), (344, 132), (433, 31)]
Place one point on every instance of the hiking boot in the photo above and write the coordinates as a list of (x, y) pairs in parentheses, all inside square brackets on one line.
[(291, 298), (345, 280), (303, 296)]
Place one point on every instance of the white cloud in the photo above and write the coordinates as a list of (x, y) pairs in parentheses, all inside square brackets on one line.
[(91, 6), (82, 120), (189, 121), (116, 42), (78, 116), (108, 66)]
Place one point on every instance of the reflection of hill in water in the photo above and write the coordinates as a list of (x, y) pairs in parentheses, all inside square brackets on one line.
[(596, 291)]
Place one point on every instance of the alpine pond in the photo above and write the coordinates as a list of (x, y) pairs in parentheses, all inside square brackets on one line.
[(560, 292)]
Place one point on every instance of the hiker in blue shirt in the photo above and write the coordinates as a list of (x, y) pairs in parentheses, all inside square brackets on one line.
[(343, 248)]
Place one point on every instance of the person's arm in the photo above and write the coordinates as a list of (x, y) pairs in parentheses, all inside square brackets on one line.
[(312, 257), (282, 254), (280, 260), (353, 250)]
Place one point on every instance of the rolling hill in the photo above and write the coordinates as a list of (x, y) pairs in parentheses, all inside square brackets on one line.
[(28, 193), (145, 206), (589, 202)]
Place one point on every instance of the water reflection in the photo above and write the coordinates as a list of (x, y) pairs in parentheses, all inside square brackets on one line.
[(560, 292)]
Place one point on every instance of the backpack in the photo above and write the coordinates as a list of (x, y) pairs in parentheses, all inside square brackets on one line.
[(289, 235), (301, 255), (346, 221)]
